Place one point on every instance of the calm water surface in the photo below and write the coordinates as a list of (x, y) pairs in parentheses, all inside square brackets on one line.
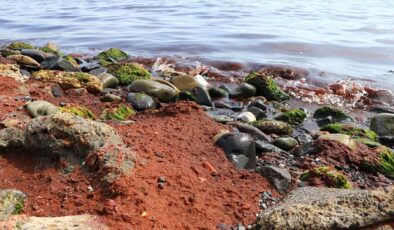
[(348, 37)]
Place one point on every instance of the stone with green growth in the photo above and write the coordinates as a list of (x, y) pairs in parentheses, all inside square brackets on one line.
[(273, 126), (20, 46), (109, 56), (159, 90), (129, 72), (386, 164), (326, 111), (266, 87), (80, 111), (341, 138), (350, 130), (49, 50), (185, 96), (293, 116), (120, 113), (331, 178), (11, 203)]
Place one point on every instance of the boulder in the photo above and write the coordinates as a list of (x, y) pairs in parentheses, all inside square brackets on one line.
[(156, 89), (383, 124), (329, 208)]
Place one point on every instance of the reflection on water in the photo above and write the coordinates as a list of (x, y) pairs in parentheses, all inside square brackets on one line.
[(346, 37)]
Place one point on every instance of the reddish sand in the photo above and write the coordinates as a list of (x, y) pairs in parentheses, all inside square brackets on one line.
[(201, 189)]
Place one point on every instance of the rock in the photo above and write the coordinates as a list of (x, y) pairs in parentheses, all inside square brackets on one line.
[(41, 108), (68, 80), (50, 62), (20, 46), (258, 104), (7, 52), (266, 147), (78, 110), (202, 96), (329, 208), (66, 135), (202, 82), (225, 88), (120, 113), (253, 131), (242, 91), (141, 101), (239, 149), (305, 149), (11, 203), (129, 72), (110, 98), (293, 116), (57, 91), (156, 89), (78, 222), (326, 176), (36, 54), (341, 138), (221, 118), (246, 117), (266, 87), (383, 124), (69, 65), (185, 96), (182, 81), (111, 55), (348, 129), (9, 70), (98, 71), (273, 127), (327, 114), (279, 178), (24, 60), (216, 92), (108, 80), (382, 109), (285, 143), (285, 72), (258, 113)]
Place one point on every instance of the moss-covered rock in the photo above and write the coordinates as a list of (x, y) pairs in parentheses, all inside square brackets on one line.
[(293, 116), (330, 177), (9, 52), (120, 113), (273, 126), (266, 87), (49, 50), (129, 72), (111, 55), (185, 96), (386, 163), (78, 110), (11, 203), (20, 46), (350, 130), (69, 80), (163, 92), (341, 138), (326, 111)]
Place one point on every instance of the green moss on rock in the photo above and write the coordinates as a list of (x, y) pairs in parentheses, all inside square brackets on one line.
[(185, 96), (293, 116), (336, 114), (129, 72), (273, 126), (48, 50), (112, 55), (350, 130), (20, 46), (387, 162), (266, 87), (80, 111), (120, 113), (329, 176)]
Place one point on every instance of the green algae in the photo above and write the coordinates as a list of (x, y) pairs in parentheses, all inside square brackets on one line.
[(350, 130), (340, 180), (20, 46), (129, 72), (336, 114), (80, 111), (266, 87), (273, 126), (293, 116), (111, 55), (120, 113), (185, 96)]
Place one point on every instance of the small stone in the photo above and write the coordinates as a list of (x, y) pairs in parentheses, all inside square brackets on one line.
[(242, 91), (202, 96), (161, 179), (41, 108), (285, 143), (258, 113), (160, 185), (246, 117), (110, 98), (141, 101)]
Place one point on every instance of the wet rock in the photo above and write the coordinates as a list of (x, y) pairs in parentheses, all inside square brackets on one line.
[(120, 113), (341, 138), (40, 108), (304, 149), (24, 60), (243, 90), (253, 131), (20, 46), (221, 118), (182, 81), (50, 62), (216, 92), (285, 72), (110, 98), (258, 104), (246, 117), (69, 65), (382, 109), (8, 52), (279, 178), (239, 149), (108, 80), (10, 70), (348, 129), (97, 71), (11, 203), (156, 89), (68, 80), (258, 113), (329, 208), (326, 115), (383, 124), (265, 147), (110, 56), (266, 87), (202, 96), (273, 127), (285, 143), (293, 116), (185, 96), (127, 73), (141, 101), (225, 88), (36, 54)]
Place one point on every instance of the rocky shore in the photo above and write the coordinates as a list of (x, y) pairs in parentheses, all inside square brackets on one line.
[(116, 141)]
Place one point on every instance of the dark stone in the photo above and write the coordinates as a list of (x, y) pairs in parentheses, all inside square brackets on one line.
[(65, 65), (225, 88), (258, 113), (98, 71), (265, 147), (36, 54), (217, 92), (239, 149), (279, 178), (57, 91), (141, 101), (258, 104), (243, 90), (50, 62), (253, 131), (202, 96)]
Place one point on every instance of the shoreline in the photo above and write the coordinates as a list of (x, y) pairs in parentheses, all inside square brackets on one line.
[(173, 143)]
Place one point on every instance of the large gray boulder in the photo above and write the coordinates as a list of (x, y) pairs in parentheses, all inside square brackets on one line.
[(329, 208), (383, 124)]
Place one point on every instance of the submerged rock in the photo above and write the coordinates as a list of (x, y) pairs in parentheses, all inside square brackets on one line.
[(383, 124), (273, 126), (40, 108), (68, 80), (141, 101), (156, 89), (239, 149), (266, 87), (129, 72), (329, 208)]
